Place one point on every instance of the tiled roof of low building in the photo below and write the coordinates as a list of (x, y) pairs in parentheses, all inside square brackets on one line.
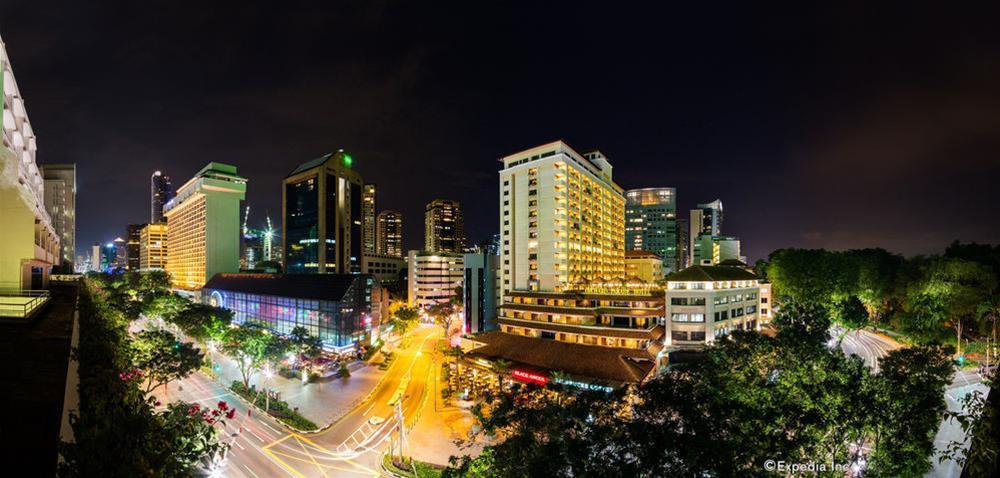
[(710, 274), (605, 363), (651, 333)]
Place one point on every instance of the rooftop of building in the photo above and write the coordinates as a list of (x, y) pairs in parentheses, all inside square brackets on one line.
[(641, 255), (593, 361), (330, 287), (343, 160), (699, 273)]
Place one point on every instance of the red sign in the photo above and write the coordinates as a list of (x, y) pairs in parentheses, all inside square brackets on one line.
[(530, 377)]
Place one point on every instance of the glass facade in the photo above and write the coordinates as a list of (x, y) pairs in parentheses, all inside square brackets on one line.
[(301, 223), (339, 324), (651, 224)]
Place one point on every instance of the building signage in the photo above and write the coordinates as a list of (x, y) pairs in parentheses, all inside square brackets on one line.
[(584, 385), (530, 377)]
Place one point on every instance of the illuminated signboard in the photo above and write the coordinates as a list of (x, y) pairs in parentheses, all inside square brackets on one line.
[(584, 385), (530, 377)]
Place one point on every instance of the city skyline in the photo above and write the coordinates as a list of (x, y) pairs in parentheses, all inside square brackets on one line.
[(826, 139)]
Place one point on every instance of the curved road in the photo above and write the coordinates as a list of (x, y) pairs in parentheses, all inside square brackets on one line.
[(869, 346)]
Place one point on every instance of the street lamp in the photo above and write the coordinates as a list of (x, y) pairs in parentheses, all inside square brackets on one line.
[(267, 394)]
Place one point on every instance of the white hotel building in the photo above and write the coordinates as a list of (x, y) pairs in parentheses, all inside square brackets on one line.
[(705, 303), (29, 245), (561, 219)]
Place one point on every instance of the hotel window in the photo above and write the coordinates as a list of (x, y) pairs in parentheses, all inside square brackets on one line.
[(698, 336), (679, 335)]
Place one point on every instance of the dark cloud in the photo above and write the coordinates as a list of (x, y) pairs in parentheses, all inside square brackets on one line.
[(835, 126)]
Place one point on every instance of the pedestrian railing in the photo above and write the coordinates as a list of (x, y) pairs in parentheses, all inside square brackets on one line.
[(21, 303)]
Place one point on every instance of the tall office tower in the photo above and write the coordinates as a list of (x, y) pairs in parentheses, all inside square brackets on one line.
[(321, 216), (29, 244), (683, 253), (480, 291), (153, 246), (121, 253), (562, 219), (60, 202), (161, 193), (368, 229), (390, 234), (132, 245), (203, 221), (95, 257), (444, 230), (705, 219), (651, 223)]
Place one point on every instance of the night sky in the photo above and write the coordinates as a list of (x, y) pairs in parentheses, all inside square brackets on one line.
[(839, 128)]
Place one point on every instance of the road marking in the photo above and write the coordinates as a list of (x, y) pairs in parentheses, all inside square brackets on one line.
[(251, 471), (292, 471), (369, 409)]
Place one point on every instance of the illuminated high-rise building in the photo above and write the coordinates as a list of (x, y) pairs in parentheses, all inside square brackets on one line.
[(29, 244), (390, 234), (60, 202), (566, 303), (368, 226), (444, 229), (651, 224), (161, 192), (562, 219), (153, 246), (132, 246), (321, 211), (706, 219), (203, 221)]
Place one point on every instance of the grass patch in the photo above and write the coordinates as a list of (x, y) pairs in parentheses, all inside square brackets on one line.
[(276, 408), (424, 470)]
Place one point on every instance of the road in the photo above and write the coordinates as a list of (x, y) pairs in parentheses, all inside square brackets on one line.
[(351, 447), (868, 346)]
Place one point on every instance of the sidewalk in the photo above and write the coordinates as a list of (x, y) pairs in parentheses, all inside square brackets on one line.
[(323, 401), (442, 424)]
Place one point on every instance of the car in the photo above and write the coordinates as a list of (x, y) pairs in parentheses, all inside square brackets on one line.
[(376, 421)]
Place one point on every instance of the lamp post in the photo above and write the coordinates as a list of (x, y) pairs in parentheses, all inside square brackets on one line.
[(267, 394)]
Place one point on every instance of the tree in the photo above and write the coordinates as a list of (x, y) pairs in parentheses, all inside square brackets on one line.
[(444, 315), (163, 358), (850, 313), (905, 405), (167, 306), (305, 344), (947, 294), (250, 347), (404, 318), (203, 322)]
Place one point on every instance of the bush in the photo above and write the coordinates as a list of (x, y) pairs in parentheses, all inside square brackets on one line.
[(276, 408), (344, 372)]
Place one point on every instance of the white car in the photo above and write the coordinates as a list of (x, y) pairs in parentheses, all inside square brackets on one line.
[(376, 421)]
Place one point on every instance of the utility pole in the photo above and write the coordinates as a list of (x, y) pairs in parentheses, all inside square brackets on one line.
[(402, 427)]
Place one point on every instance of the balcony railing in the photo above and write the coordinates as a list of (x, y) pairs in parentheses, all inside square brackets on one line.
[(21, 303)]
